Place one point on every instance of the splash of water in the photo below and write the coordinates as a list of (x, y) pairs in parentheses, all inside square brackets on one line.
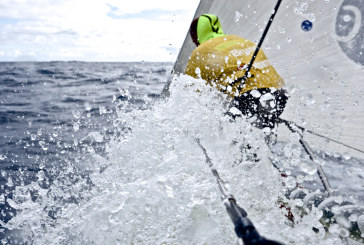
[(153, 186)]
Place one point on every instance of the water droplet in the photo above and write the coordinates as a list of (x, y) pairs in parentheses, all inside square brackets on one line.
[(346, 156), (97, 136), (255, 93), (102, 110), (76, 127), (308, 168), (237, 16), (43, 145), (88, 107), (76, 114), (33, 137), (10, 182), (290, 182), (226, 59), (2, 199)]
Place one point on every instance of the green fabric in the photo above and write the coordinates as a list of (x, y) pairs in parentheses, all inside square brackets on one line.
[(208, 27)]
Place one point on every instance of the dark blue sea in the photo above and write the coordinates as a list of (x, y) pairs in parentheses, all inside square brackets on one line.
[(90, 153), (51, 112)]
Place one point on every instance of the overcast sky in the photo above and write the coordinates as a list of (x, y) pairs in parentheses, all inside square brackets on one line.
[(93, 30)]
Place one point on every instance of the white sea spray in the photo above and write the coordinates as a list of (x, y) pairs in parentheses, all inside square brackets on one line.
[(154, 187)]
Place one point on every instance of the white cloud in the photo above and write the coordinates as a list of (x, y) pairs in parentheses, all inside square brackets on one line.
[(85, 30), (17, 53), (137, 6)]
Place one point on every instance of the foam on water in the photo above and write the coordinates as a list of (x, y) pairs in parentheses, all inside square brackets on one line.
[(154, 187)]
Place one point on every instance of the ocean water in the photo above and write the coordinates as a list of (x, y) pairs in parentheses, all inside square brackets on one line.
[(91, 154)]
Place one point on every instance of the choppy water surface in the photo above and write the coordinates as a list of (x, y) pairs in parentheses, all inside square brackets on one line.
[(90, 154)]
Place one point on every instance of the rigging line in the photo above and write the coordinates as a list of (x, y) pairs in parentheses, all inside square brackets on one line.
[(322, 136), (222, 188), (243, 78), (244, 227), (320, 171)]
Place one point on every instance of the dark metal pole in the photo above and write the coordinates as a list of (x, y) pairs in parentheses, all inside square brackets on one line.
[(309, 151), (247, 70), (244, 227)]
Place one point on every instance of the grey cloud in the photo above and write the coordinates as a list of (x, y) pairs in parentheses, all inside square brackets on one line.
[(66, 32)]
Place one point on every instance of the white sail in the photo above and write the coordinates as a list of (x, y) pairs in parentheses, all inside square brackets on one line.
[(323, 68)]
